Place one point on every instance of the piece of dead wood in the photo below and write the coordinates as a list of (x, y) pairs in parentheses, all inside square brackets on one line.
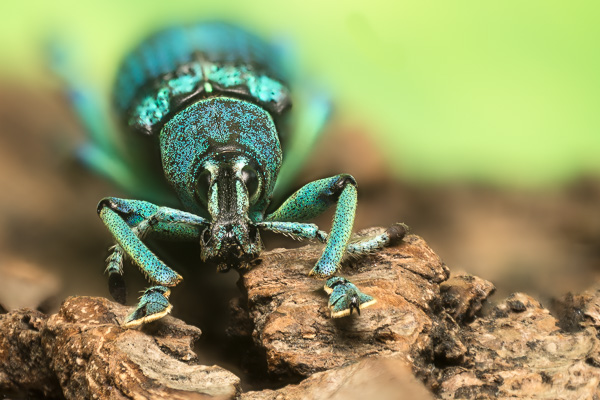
[(372, 378), (519, 351), (82, 352), (422, 318), (515, 350), (292, 321)]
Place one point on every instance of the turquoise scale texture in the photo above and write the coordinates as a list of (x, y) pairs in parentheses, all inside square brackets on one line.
[(216, 123), (342, 293), (343, 221), (180, 65), (138, 252)]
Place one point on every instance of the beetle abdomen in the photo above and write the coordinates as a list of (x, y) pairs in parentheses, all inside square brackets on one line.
[(179, 66)]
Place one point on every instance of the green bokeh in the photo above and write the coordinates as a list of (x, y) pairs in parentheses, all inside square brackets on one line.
[(504, 92)]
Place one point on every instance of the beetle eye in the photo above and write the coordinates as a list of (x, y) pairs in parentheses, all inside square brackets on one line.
[(202, 186), (250, 178)]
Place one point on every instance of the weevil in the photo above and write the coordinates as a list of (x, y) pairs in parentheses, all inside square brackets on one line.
[(206, 110)]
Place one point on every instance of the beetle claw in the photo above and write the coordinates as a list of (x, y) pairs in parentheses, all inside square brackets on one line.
[(345, 297), (154, 304)]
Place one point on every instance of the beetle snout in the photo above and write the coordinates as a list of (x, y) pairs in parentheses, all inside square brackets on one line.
[(230, 244)]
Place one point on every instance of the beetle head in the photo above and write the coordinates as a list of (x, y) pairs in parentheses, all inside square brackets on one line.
[(229, 185)]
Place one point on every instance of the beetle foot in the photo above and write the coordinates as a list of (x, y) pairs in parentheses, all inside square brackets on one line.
[(154, 304), (344, 297)]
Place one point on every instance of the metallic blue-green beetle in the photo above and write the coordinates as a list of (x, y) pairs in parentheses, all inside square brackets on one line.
[(206, 108)]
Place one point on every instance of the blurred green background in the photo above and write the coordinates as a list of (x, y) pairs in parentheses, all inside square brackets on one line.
[(502, 92), (487, 112)]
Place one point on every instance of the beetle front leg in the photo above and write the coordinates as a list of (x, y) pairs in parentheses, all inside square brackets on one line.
[(308, 202), (313, 199), (129, 221), (154, 304), (344, 297)]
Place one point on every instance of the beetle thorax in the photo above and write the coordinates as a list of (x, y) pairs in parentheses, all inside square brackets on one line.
[(222, 157), (217, 130)]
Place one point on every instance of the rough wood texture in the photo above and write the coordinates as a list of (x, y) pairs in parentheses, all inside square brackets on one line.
[(373, 378), (290, 312), (519, 351), (516, 350), (24, 366), (435, 325), (84, 353)]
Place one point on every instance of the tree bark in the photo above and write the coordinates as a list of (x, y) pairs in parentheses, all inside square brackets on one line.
[(424, 323)]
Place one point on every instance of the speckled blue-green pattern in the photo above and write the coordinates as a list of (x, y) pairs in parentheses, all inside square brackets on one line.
[(154, 107), (166, 51), (341, 230), (308, 202), (206, 130), (369, 244), (197, 61), (154, 302), (311, 200), (345, 296), (296, 230), (138, 251), (114, 262)]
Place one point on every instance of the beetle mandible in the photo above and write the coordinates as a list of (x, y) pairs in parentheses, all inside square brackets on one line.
[(207, 115)]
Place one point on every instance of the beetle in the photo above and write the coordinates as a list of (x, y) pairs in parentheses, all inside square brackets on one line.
[(207, 114)]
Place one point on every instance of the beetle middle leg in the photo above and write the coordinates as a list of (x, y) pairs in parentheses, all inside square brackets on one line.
[(102, 152), (131, 220), (313, 199)]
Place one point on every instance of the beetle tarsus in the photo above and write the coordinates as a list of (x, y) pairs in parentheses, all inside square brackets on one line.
[(345, 297), (154, 304)]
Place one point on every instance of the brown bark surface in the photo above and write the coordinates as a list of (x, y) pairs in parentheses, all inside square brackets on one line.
[(83, 353), (424, 323), (290, 313)]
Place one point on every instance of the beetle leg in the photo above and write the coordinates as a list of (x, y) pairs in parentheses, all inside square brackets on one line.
[(154, 304), (366, 245), (114, 269), (356, 247), (295, 230), (310, 201), (345, 297), (131, 220), (313, 199)]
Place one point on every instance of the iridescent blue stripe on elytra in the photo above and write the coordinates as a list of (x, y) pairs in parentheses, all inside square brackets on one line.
[(186, 83), (172, 63), (152, 108)]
